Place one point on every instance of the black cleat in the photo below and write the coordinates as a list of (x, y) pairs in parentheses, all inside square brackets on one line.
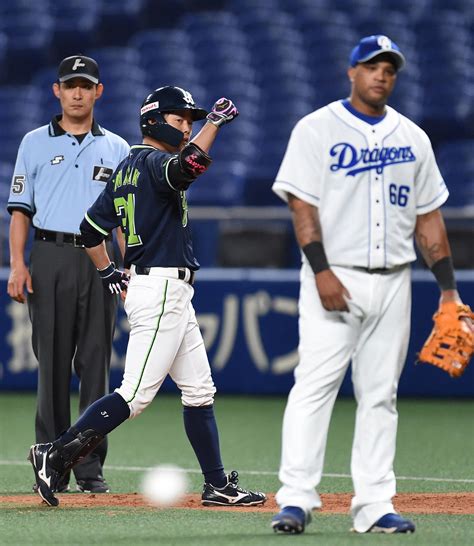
[(291, 520), (93, 485), (62, 488), (231, 494), (47, 478)]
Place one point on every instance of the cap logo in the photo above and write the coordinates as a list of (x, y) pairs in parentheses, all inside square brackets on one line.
[(77, 63), (187, 96), (384, 42), (148, 107)]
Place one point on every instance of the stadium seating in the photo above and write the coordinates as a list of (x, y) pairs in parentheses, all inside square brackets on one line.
[(124, 89), (6, 171), (22, 115), (220, 186), (24, 8), (28, 43), (3, 52), (278, 59), (42, 81), (166, 58), (456, 162), (119, 20), (74, 27)]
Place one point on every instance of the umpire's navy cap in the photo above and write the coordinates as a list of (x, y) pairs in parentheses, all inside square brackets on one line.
[(78, 66), (371, 46)]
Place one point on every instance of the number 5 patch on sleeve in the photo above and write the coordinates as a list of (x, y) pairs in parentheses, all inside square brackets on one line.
[(18, 184)]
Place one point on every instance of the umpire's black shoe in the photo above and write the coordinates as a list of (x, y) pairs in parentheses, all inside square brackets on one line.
[(93, 485), (47, 478), (231, 494)]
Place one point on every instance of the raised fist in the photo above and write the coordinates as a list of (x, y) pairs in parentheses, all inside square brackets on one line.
[(223, 111)]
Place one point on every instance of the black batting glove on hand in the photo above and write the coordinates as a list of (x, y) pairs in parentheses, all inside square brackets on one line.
[(113, 279), (223, 111)]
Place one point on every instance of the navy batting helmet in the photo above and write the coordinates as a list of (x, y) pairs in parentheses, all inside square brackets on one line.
[(167, 99)]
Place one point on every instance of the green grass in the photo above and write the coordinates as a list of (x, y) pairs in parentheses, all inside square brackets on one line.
[(196, 528), (435, 441)]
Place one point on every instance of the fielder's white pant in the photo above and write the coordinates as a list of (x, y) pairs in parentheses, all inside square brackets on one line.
[(164, 339), (375, 334)]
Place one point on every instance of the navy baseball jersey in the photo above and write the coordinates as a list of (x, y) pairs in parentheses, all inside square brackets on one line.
[(153, 215)]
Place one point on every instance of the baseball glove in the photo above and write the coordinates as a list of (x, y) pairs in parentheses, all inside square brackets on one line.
[(450, 344)]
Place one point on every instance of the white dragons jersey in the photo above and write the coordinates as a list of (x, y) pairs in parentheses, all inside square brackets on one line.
[(369, 183)]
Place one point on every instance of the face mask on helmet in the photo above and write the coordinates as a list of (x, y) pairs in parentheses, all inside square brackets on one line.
[(167, 99)]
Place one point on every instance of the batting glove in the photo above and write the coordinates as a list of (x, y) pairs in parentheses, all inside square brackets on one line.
[(223, 111), (113, 279)]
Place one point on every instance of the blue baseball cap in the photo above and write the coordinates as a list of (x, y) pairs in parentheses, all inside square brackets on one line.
[(371, 46)]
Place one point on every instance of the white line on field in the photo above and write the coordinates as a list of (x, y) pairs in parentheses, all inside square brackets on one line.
[(258, 473)]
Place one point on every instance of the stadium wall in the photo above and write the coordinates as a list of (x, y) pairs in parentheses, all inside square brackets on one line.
[(249, 322)]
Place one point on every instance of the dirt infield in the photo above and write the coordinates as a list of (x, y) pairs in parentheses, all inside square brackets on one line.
[(335, 503)]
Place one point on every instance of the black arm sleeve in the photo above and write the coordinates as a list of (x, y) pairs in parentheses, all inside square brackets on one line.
[(90, 236), (182, 169)]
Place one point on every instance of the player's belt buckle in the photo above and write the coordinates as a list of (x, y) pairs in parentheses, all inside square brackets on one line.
[(377, 270), (186, 275)]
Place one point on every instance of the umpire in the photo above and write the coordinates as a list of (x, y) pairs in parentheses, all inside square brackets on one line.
[(60, 170)]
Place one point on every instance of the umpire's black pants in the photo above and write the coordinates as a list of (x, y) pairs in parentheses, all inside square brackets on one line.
[(73, 320)]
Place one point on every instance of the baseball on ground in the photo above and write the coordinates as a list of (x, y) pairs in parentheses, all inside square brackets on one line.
[(164, 485)]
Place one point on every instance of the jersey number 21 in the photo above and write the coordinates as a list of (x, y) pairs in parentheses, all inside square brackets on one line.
[(125, 207)]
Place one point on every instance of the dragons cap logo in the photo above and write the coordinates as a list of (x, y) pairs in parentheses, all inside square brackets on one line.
[(384, 42)]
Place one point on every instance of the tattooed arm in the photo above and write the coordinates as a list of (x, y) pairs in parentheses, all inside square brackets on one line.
[(305, 221), (432, 240), (308, 230), (431, 237)]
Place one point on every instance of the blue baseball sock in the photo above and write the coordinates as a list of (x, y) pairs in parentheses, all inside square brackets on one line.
[(201, 429), (103, 416)]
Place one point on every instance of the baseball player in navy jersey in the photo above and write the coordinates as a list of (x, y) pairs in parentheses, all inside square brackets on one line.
[(60, 170), (361, 182), (147, 197)]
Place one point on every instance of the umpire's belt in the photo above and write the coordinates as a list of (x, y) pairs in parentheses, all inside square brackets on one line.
[(61, 238), (182, 273)]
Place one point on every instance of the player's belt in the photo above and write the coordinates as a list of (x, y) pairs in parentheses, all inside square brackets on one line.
[(380, 270), (182, 273), (61, 238)]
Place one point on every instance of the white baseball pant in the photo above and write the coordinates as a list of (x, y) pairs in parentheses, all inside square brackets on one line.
[(375, 335), (164, 339)]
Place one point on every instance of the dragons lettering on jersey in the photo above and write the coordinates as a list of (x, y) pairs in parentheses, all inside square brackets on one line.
[(366, 159)]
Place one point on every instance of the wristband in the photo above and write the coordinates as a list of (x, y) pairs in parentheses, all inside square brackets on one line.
[(107, 271), (316, 256), (443, 270)]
